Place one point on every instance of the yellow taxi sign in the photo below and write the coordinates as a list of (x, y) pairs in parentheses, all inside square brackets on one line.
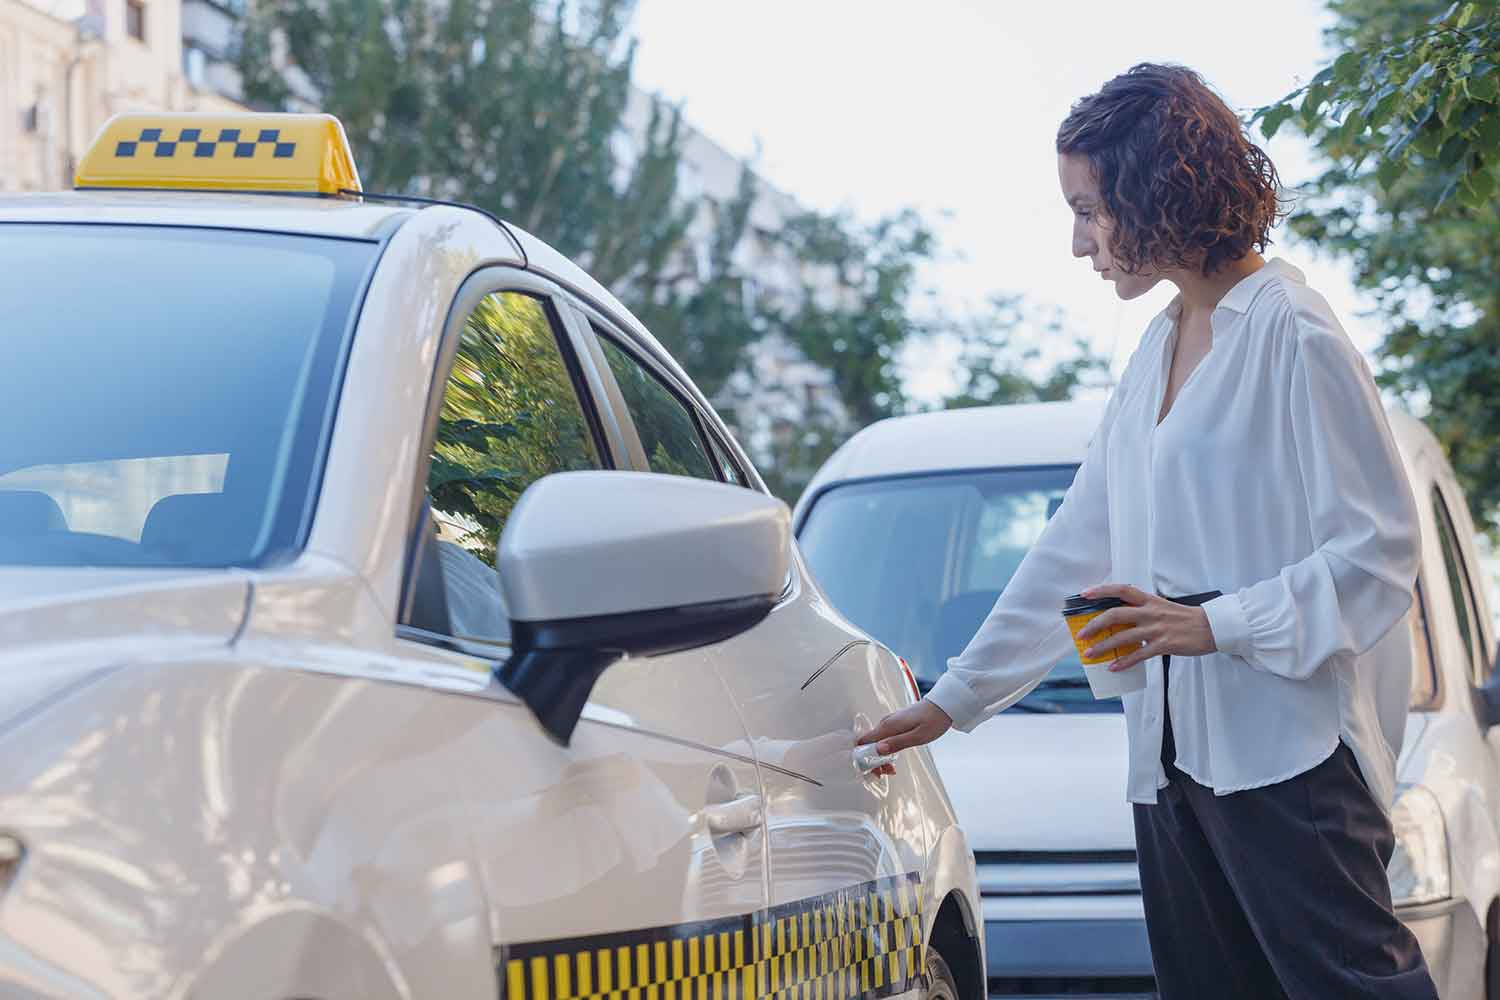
[(221, 152)]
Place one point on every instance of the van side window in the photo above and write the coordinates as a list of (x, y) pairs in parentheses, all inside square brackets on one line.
[(510, 415), (1424, 679), (668, 432), (1465, 608)]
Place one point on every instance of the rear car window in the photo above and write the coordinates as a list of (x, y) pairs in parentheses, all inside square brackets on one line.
[(166, 392)]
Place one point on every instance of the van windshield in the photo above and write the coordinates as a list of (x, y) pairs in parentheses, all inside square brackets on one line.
[(918, 561), (166, 392)]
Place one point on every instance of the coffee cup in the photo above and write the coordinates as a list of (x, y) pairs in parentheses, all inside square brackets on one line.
[(1078, 611)]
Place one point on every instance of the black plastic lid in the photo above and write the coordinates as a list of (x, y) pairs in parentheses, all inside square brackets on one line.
[(1080, 605)]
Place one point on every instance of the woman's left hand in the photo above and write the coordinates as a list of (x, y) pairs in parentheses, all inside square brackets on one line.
[(1153, 626)]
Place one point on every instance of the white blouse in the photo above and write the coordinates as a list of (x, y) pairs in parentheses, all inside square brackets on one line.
[(1274, 478)]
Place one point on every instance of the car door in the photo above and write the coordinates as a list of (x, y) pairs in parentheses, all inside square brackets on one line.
[(629, 858), (846, 846)]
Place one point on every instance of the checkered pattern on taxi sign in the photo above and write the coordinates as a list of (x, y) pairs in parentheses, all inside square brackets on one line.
[(197, 141), (862, 942)]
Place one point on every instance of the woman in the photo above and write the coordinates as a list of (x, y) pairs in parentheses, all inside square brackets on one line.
[(1245, 451)]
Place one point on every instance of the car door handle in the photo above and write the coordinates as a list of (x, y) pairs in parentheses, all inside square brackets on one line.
[(867, 758), (740, 815)]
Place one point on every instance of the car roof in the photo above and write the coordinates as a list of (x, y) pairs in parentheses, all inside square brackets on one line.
[(1005, 437), (976, 437), (338, 217)]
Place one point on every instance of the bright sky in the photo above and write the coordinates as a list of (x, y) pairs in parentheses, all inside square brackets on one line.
[(952, 106)]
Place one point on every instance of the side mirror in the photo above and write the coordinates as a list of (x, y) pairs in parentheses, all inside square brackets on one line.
[(602, 565)]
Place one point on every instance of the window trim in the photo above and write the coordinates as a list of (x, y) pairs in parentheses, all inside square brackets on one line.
[(497, 280), (1484, 663), (719, 448)]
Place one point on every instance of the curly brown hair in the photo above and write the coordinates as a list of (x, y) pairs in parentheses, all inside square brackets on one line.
[(1182, 184)]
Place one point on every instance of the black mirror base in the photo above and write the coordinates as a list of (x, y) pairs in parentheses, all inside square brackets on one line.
[(556, 663)]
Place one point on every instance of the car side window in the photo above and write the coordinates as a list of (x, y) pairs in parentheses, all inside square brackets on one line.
[(1424, 680), (1464, 606), (510, 415), (668, 432)]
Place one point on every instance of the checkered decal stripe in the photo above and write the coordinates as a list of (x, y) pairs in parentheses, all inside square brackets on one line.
[(195, 142), (859, 943)]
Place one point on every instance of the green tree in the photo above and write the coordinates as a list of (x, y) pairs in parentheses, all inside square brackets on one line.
[(702, 316), (518, 106), (1003, 361), (858, 305), (1408, 120), (863, 309)]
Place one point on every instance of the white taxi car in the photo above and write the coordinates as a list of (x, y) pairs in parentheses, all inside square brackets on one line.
[(383, 613), (914, 527)]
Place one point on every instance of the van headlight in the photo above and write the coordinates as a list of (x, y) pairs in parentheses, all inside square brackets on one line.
[(1419, 867)]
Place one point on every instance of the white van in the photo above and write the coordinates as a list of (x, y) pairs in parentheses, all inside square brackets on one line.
[(913, 528)]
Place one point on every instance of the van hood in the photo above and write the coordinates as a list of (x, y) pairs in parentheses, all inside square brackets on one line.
[(1040, 782)]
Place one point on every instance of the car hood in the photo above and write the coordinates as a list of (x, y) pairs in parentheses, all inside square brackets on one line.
[(43, 611), (62, 628), (1035, 782)]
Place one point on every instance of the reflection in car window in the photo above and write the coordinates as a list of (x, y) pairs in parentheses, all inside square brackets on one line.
[(919, 561), (165, 395), (1464, 607), (510, 416), (666, 426)]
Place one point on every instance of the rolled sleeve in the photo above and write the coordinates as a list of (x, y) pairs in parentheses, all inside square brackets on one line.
[(956, 698), (1226, 619)]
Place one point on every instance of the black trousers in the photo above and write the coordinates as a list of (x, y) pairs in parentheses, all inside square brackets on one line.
[(1272, 892)]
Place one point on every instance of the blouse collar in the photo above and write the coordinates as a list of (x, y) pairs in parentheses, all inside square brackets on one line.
[(1239, 298)]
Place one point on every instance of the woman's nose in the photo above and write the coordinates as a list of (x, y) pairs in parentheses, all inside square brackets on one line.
[(1084, 244)]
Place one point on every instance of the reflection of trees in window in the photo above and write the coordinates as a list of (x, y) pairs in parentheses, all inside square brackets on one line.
[(666, 428), (509, 417)]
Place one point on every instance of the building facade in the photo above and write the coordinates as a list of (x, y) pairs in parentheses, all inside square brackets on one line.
[(66, 67)]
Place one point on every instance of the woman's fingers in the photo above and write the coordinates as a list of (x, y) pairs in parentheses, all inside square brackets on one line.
[(892, 725), (910, 727), (1141, 655), (1113, 618), (1130, 638), (1123, 591)]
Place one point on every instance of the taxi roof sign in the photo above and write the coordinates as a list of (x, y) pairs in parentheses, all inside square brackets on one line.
[(221, 152)]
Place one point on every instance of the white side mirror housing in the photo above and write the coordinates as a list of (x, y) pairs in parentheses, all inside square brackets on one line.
[(599, 565)]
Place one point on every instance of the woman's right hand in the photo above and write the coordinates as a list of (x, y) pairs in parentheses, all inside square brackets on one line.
[(913, 726)]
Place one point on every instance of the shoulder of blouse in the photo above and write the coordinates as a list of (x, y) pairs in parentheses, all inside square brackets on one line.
[(1299, 316)]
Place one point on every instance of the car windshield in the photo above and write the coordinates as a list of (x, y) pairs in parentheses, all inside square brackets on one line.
[(918, 562), (166, 392)]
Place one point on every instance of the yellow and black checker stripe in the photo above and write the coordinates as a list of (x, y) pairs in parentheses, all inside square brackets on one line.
[(862, 942)]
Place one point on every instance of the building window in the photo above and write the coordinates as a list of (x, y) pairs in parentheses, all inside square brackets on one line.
[(135, 19)]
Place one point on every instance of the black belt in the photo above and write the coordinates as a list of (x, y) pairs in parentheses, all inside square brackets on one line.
[(1168, 741)]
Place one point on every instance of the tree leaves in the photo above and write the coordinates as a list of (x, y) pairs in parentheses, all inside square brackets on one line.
[(1272, 120), (1419, 222)]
